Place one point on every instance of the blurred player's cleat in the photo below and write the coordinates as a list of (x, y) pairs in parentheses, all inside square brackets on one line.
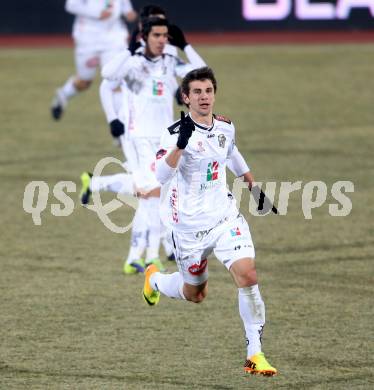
[(136, 266), (157, 262), (85, 193), (171, 257), (150, 295), (58, 105), (257, 364)]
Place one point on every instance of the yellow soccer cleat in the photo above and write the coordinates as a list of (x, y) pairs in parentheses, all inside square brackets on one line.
[(150, 295), (135, 267), (257, 364), (85, 193)]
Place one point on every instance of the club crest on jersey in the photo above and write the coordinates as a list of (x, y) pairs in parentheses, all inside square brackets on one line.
[(200, 146), (221, 140), (158, 88), (235, 232), (212, 171)]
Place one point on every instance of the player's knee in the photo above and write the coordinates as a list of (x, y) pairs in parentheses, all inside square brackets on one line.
[(197, 298), (82, 85), (248, 277)]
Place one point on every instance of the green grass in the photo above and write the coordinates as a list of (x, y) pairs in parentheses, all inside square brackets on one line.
[(69, 318)]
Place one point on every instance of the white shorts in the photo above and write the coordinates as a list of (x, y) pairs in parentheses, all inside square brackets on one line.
[(143, 158), (88, 57), (230, 241)]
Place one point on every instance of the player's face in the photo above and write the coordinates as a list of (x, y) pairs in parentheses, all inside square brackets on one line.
[(156, 41), (200, 98)]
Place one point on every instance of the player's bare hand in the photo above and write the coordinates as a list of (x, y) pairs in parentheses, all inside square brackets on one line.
[(186, 128)]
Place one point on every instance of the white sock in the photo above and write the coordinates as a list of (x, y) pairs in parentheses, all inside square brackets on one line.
[(121, 183), (139, 233), (170, 285), (68, 90), (154, 227), (252, 312), (166, 243)]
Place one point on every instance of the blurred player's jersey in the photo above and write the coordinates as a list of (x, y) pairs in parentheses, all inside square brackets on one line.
[(88, 28), (196, 198), (150, 88)]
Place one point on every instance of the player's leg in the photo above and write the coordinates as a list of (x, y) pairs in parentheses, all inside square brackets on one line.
[(189, 283), (86, 63), (236, 251), (121, 183), (139, 235)]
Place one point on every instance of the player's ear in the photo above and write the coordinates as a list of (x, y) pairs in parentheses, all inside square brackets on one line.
[(185, 99)]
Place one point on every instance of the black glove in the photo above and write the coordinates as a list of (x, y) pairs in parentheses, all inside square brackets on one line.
[(117, 128), (176, 37), (134, 43), (186, 128), (263, 202), (178, 97)]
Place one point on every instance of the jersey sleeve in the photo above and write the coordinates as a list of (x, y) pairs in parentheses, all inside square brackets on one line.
[(164, 172), (235, 160), (195, 62), (106, 97), (91, 9), (126, 6), (116, 68)]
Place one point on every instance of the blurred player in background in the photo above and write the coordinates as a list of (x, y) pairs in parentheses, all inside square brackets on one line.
[(99, 33), (148, 75), (202, 213)]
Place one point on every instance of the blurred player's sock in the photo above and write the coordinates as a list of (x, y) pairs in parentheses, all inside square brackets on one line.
[(257, 364), (150, 295), (85, 193), (120, 183), (60, 100)]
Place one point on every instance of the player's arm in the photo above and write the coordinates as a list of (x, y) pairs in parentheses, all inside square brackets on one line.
[(115, 68), (82, 8), (107, 90), (178, 39), (128, 11), (167, 159), (239, 167)]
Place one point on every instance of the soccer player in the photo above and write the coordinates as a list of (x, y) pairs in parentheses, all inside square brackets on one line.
[(149, 76), (99, 33), (202, 214)]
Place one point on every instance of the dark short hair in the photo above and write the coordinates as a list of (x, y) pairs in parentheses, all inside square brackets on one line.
[(151, 9), (151, 22), (200, 74)]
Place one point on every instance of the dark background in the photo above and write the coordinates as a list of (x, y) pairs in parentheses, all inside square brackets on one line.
[(48, 16)]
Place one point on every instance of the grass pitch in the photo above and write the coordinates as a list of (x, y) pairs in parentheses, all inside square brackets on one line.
[(69, 318)]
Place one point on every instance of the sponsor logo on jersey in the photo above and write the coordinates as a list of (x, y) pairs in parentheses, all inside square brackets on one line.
[(174, 205), (212, 171), (160, 153), (221, 140), (158, 88), (235, 232), (210, 135), (198, 268)]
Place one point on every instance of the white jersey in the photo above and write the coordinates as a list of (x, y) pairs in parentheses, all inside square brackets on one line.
[(150, 88), (196, 198), (89, 28)]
